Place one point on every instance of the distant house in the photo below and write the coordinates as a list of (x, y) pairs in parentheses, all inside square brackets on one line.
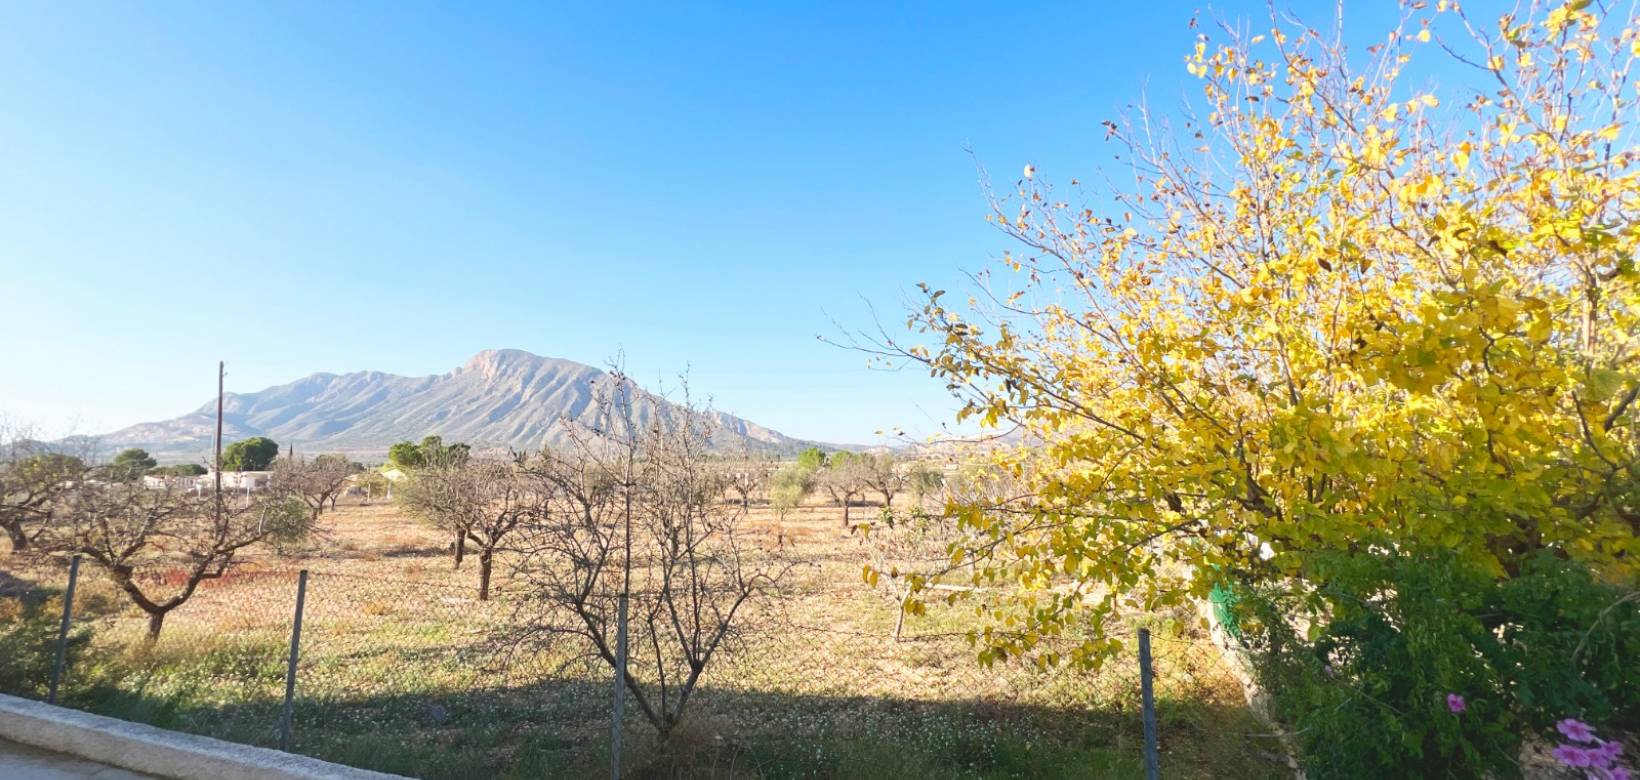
[(248, 481), (172, 482)]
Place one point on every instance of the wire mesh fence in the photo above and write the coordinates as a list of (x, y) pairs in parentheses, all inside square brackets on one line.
[(416, 676)]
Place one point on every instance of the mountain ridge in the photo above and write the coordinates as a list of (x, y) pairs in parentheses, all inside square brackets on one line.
[(499, 398)]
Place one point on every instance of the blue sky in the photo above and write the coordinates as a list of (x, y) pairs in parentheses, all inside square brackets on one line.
[(301, 187)]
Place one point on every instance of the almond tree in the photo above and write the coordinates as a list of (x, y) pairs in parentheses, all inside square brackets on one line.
[(846, 477), (746, 478), (315, 482), (912, 549), (32, 483), (637, 511), (438, 491), (884, 475), (31, 487), (128, 529), (481, 500)]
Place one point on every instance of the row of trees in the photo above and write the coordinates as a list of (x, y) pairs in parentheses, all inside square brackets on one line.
[(53, 503), (848, 477), (257, 453)]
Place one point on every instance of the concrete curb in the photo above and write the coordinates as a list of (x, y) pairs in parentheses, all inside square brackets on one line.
[(155, 751)]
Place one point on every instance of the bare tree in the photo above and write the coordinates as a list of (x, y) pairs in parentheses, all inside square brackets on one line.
[(911, 549), (924, 481), (483, 500), (636, 510), (884, 475), (126, 529), (33, 481), (372, 482), (439, 491), (747, 477), (315, 482), (845, 478)]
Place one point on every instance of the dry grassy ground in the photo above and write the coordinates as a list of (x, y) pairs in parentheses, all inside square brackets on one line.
[(397, 673)]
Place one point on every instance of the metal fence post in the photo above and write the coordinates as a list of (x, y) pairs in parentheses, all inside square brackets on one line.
[(290, 671), (620, 691), (1147, 691), (62, 632)]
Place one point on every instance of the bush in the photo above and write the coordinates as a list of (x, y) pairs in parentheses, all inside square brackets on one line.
[(28, 643), (1420, 665)]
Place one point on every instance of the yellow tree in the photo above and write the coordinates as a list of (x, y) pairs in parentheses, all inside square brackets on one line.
[(1331, 311)]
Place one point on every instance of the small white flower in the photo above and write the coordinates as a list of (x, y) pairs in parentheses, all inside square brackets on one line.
[(1030, 170)]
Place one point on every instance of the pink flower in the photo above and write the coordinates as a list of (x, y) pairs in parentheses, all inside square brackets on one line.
[(1455, 703), (1619, 773), (1572, 756), (1609, 751), (1576, 730)]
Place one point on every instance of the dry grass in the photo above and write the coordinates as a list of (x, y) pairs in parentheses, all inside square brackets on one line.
[(397, 674)]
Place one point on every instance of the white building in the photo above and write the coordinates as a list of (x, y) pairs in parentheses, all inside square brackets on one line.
[(247, 481)]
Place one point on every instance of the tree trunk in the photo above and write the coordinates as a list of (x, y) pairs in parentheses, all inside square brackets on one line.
[(19, 540), (461, 548), (485, 563), (846, 502), (156, 621)]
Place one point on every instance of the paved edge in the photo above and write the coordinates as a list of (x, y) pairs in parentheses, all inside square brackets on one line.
[(155, 751)]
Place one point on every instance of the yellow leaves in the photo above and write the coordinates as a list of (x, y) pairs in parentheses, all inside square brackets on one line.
[(1347, 328), (1565, 16), (1419, 188)]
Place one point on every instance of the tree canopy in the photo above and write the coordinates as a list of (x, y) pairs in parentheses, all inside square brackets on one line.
[(131, 463), (253, 454), (1332, 314), (430, 450)]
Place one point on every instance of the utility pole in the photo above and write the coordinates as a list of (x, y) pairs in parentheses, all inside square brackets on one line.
[(221, 371)]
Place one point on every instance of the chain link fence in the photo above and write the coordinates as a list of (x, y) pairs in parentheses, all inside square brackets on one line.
[(409, 676)]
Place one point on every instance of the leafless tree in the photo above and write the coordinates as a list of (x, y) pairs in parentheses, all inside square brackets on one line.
[(314, 482), (441, 492), (905, 547), (33, 481), (638, 510), (128, 529), (747, 477), (484, 500), (924, 481), (884, 474), (845, 478)]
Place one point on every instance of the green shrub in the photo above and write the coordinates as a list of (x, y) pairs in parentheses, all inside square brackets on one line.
[(28, 643), (1365, 686)]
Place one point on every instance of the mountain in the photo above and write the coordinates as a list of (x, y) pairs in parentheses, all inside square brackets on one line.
[(503, 398)]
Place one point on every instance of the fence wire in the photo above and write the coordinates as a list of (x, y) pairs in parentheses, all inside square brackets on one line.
[(413, 676)]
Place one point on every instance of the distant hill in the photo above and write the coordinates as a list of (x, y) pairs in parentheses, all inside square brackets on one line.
[(504, 398)]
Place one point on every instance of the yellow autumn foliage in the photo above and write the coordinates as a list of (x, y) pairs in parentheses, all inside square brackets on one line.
[(1338, 312)]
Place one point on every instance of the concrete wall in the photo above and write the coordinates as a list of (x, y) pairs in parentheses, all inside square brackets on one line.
[(155, 751)]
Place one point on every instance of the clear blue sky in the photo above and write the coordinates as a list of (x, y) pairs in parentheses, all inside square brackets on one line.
[(301, 187)]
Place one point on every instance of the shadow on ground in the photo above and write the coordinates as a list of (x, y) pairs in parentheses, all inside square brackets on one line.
[(562, 729)]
